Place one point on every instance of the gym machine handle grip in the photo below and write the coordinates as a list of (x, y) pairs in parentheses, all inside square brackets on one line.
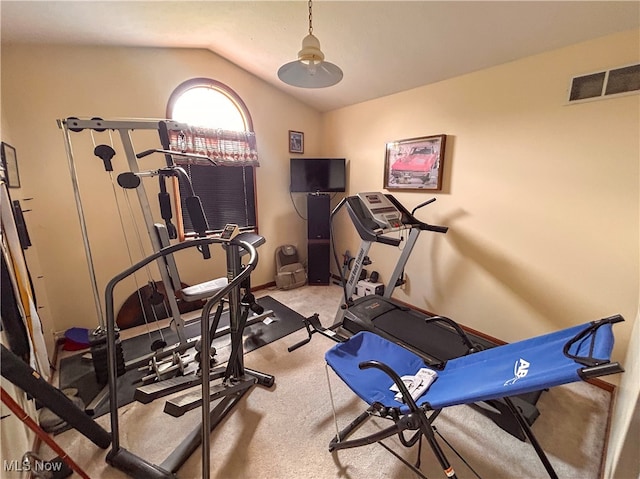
[(435, 228), (128, 180), (196, 213), (181, 154), (386, 240), (198, 221), (165, 205), (424, 203)]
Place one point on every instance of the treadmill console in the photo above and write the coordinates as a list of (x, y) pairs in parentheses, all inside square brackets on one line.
[(382, 211)]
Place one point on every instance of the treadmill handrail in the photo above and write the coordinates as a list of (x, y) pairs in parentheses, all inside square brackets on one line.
[(371, 231), (413, 222)]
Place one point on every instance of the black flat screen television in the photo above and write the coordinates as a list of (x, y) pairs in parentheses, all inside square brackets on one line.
[(313, 175)]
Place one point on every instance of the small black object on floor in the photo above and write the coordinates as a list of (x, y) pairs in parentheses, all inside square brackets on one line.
[(78, 373), (59, 469)]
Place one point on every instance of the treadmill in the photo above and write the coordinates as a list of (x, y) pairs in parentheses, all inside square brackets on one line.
[(437, 339)]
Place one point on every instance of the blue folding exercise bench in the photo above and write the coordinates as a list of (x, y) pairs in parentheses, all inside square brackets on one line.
[(369, 364)]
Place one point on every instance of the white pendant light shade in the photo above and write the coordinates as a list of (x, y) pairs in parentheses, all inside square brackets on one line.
[(310, 70)]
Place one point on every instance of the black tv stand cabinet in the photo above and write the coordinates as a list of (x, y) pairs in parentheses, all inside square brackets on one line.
[(318, 238)]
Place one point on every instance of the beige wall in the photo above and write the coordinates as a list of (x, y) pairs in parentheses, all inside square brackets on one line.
[(541, 197), (43, 83)]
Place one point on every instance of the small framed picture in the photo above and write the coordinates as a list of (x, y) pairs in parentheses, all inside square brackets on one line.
[(10, 165), (296, 142)]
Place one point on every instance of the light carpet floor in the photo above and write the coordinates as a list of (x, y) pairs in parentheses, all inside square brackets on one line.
[(284, 432)]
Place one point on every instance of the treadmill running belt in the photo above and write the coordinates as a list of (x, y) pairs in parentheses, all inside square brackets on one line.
[(435, 341)]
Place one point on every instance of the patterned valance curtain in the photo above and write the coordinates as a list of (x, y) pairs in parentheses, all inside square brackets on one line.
[(226, 148)]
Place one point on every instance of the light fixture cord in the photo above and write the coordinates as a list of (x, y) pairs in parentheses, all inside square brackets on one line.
[(310, 19)]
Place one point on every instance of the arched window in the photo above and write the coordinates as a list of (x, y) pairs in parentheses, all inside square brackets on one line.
[(227, 191)]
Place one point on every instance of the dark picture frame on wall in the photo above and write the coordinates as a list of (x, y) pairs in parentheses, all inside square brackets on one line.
[(10, 165), (415, 163), (296, 142)]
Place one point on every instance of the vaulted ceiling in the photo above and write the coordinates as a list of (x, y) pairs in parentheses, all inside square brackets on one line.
[(383, 47)]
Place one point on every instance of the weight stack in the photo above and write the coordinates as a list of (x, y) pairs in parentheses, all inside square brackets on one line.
[(100, 358)]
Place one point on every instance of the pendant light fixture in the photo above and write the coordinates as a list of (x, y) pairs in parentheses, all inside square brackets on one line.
[(310, 70)]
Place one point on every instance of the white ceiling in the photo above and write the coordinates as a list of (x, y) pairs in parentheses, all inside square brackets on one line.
[(383, 47)]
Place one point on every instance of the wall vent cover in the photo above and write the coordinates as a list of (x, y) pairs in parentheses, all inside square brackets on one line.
[(617, 81)]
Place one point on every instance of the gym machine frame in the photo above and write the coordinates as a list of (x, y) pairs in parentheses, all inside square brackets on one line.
[(166, 264), (124, 128), (373, 232), (236, 379)]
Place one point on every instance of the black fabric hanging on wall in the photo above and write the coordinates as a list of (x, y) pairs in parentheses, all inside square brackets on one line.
[(12, 320)]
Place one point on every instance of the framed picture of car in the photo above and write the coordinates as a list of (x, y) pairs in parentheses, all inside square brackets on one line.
[(415, 163)]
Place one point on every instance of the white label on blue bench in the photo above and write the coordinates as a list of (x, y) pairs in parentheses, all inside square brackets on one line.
[(416, 385)]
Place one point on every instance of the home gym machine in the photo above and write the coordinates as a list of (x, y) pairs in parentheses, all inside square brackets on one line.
[(159, 235), (106, 154), (235, 379), (437, 339)]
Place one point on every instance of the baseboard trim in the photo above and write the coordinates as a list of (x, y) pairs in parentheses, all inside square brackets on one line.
[(272, 284), (607, 431)]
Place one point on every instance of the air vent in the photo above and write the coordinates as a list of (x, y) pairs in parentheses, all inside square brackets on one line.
[(618, 81)]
